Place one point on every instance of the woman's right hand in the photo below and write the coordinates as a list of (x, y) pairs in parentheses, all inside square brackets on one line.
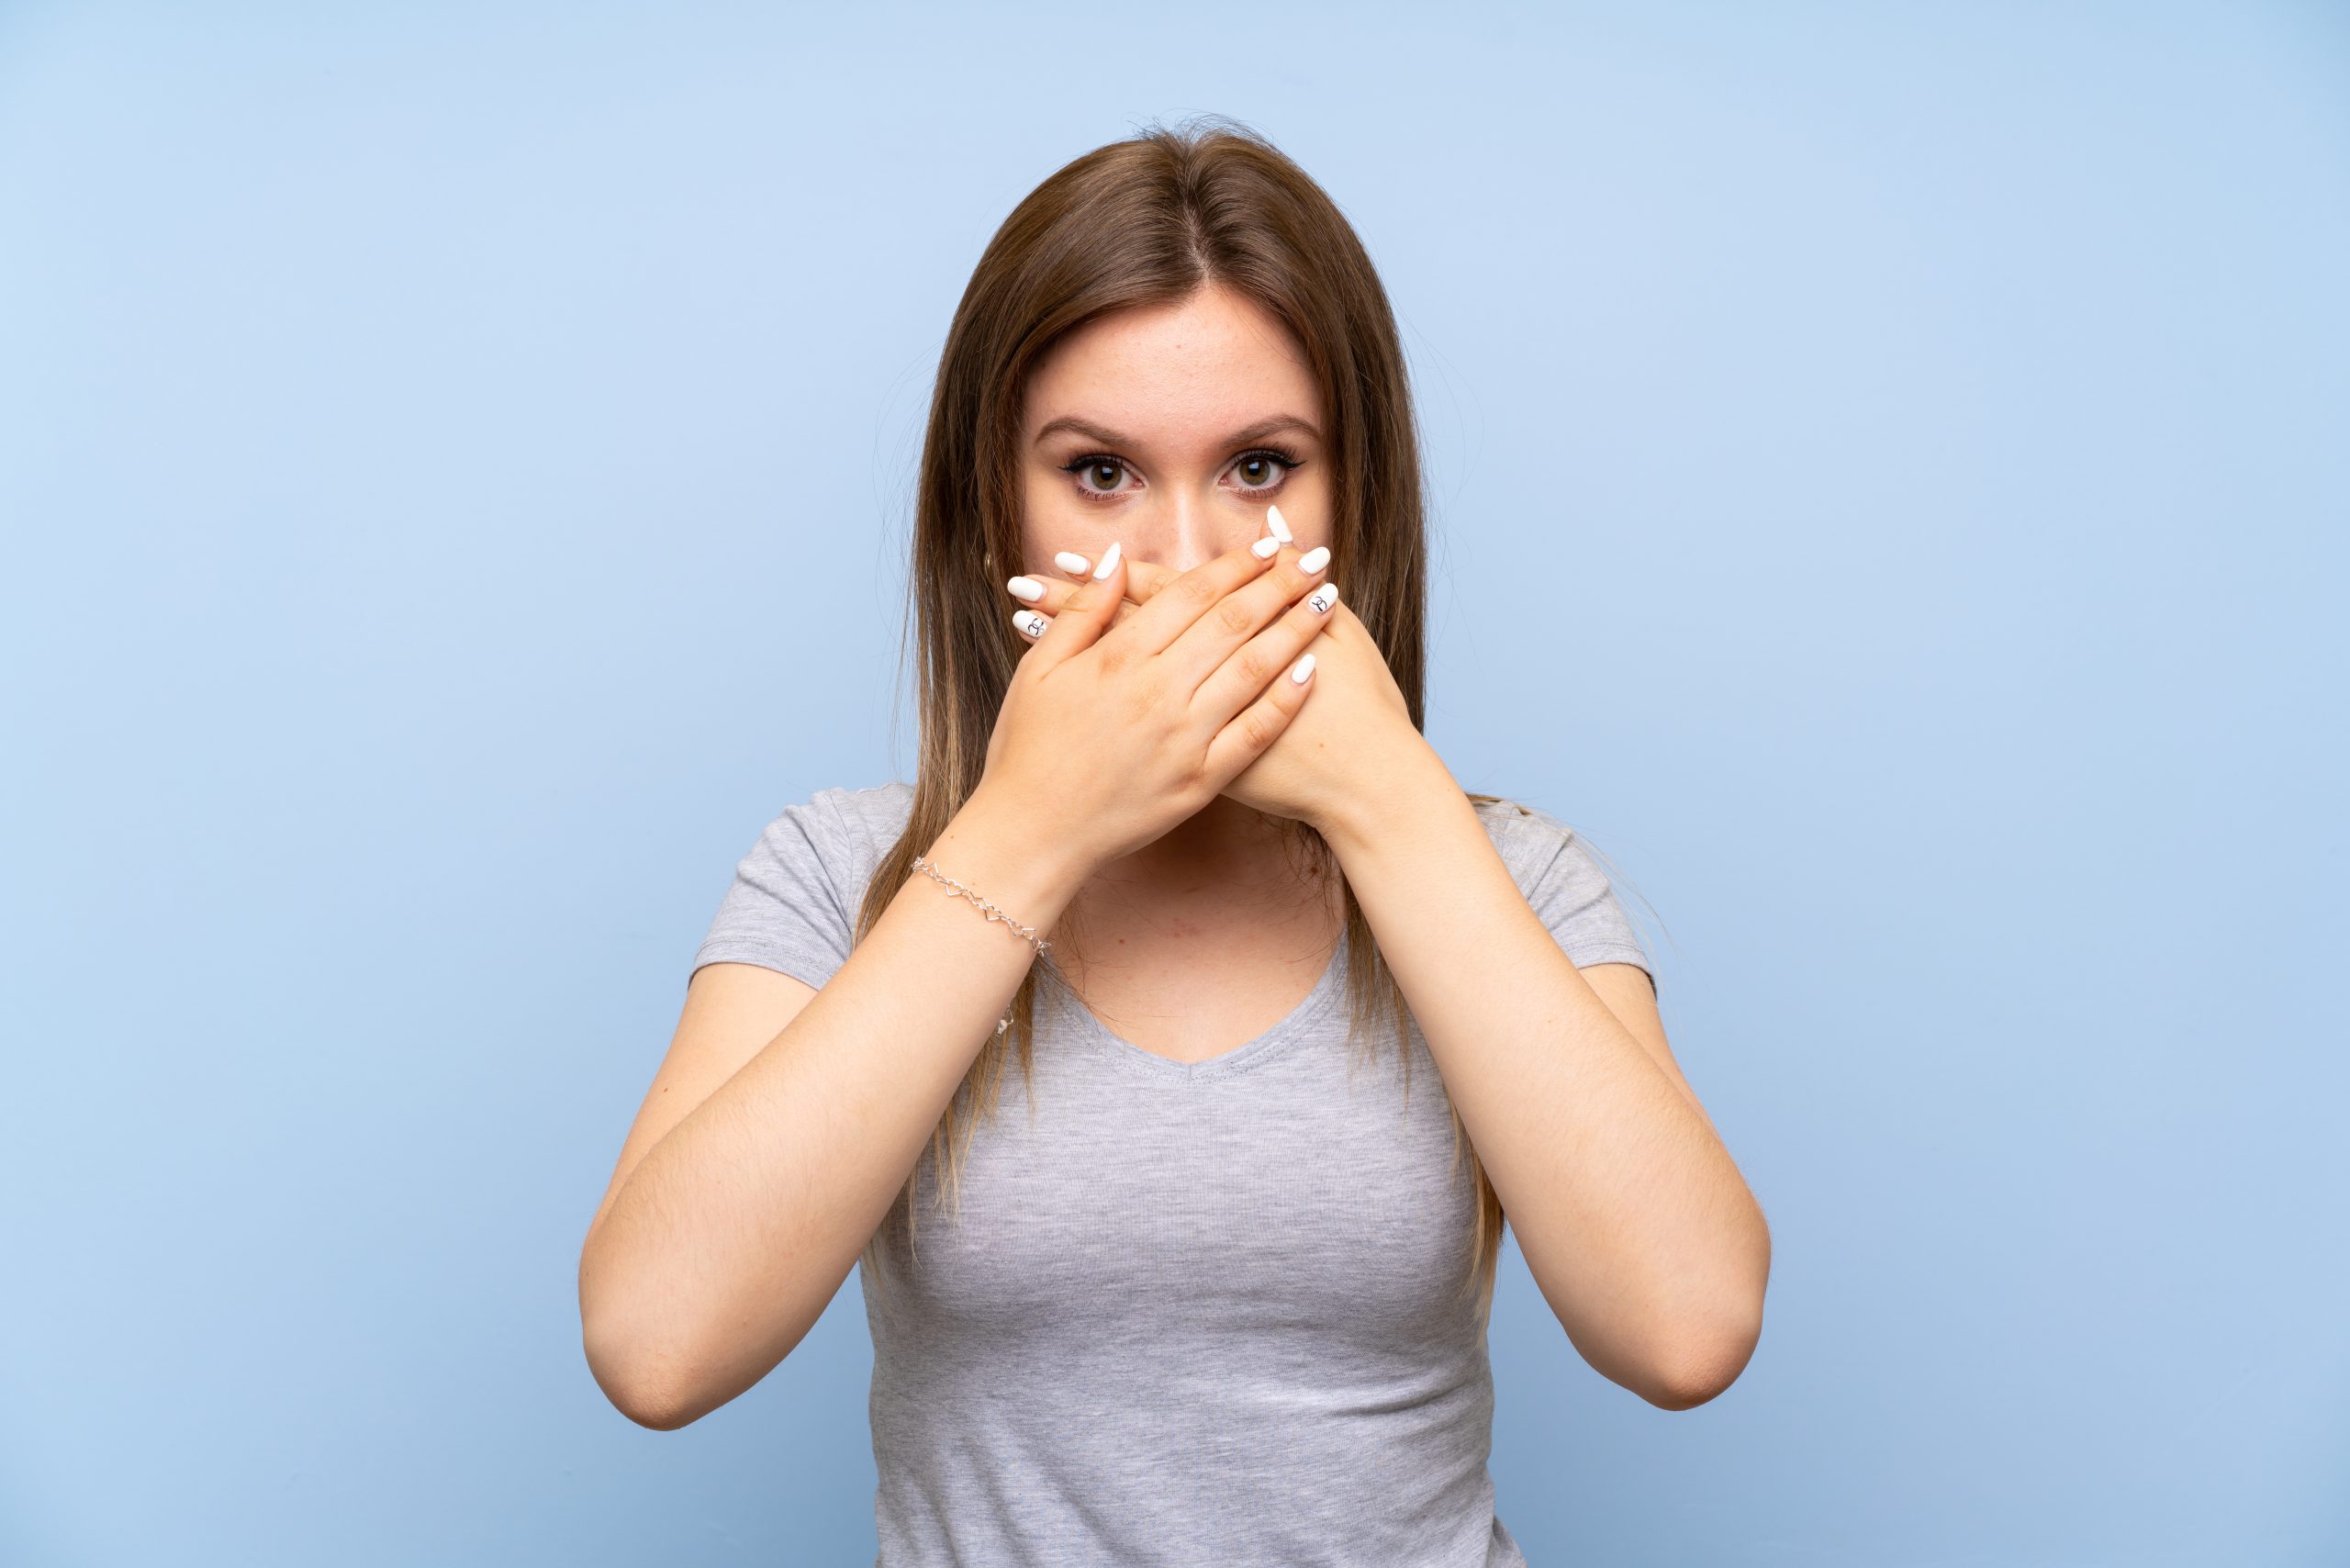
[(1119, 727)]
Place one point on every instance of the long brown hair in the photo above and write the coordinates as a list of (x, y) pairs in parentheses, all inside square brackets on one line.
[(1141, 222)]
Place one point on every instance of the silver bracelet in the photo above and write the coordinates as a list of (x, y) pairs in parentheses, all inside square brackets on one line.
[(993, 914), (1028, 932)]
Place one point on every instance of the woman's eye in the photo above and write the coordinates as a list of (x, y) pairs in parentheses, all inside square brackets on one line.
[(1254, 473), (1262, 470)]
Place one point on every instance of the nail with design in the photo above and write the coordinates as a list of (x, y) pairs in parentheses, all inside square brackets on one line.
[(1323, 597), (1031, 625)]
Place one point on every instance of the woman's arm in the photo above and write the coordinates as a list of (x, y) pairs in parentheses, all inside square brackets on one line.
[(1633, 1219), (785, 1121)]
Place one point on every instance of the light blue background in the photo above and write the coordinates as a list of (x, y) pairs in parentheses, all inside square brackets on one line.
[(1891, 485)]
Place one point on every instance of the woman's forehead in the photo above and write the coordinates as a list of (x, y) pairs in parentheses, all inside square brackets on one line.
[(1196, 370)]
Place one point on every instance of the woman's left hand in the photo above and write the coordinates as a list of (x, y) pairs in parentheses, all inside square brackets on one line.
[(1355, 729)]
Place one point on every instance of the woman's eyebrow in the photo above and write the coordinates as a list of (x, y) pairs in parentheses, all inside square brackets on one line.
[(1257, 432)]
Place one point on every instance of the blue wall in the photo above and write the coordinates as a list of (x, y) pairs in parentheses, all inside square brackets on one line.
[(455, 463)]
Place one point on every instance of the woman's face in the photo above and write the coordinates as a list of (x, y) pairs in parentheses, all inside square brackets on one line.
[(1170, 429)]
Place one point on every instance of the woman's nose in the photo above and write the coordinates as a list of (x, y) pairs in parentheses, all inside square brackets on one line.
[(1194, 534)]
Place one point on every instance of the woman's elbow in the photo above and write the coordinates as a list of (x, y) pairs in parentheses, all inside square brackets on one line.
[(1703, 1365)]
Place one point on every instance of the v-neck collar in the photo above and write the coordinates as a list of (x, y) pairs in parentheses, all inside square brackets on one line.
[(1239, 1058)]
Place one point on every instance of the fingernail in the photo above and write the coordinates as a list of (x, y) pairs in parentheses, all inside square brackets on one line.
[(1314, 560), (1075, 565), (1265, 547), (1109, 561), (1028, 588), (1281, 529), (1031, 624), (1323, 597), (1300, 670)]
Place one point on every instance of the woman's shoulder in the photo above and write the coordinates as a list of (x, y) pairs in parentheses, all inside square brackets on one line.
[(889, 802), (1505, 816), (1569, 883), (864, 818), (1539, 845)]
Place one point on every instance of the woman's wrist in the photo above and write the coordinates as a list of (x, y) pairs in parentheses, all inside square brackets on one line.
[(1013, 856), (1407, 783)]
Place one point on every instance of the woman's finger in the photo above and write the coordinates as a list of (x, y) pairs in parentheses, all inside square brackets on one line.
[(1084, 612), (1041, 598), (1035, 623), (1048, 595)]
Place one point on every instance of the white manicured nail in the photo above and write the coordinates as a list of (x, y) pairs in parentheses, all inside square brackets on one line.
[(1028, 588), (1264, 547), (1314, 560), (1323, 597), (1075, 565), (1300, 670), (1109, 561), (1281, 529), (1031, 624)]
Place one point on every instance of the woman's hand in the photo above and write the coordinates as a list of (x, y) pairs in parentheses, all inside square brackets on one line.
[(1334, 749), (1126, 719)]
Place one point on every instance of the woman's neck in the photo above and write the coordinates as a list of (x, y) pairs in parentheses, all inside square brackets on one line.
[(1224, 864)]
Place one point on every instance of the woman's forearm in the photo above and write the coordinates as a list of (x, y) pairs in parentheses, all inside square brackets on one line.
[(1632, 1217), (729, 1239)]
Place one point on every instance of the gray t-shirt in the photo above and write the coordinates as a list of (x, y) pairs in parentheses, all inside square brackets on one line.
[(1191, 1314)]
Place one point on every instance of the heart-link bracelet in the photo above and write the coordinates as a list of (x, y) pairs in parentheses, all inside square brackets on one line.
[(993, 914), (1028, 932)]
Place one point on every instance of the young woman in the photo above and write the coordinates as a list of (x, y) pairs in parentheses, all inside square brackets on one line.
[(1205, 1281)]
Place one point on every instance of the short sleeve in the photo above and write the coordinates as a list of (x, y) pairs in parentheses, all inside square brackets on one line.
[(787, 909), (1566, 886)]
